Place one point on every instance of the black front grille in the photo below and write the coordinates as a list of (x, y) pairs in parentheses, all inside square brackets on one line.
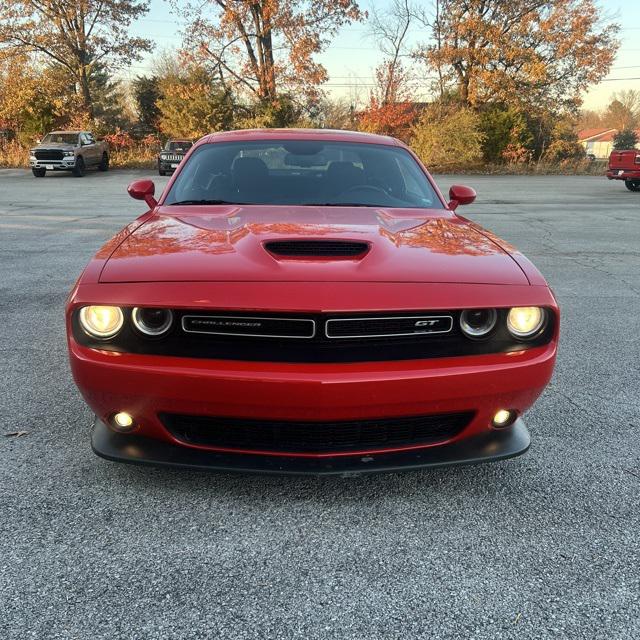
[(317, 248), (379, 327), (250, 326), (315, 437), (314, 338), (49, 154)]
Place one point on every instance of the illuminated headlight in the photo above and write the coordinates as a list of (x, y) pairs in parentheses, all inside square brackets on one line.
[(525, 322), (68, 154), (477, 323), (152, 322), (101, 322)]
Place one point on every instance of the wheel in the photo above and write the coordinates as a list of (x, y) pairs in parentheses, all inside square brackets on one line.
[(39, 173), (161, 172), (78, 170), (104, 163), (632, 185)]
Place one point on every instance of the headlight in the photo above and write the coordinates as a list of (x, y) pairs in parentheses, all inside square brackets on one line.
[(524, 322), (101, 322), (68, 153), (477, 323), (152, 322)]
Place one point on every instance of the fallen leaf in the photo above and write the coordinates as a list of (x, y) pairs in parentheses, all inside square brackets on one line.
[(16, 434)]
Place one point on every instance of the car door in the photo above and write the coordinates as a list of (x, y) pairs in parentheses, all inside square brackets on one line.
[(89, 149)]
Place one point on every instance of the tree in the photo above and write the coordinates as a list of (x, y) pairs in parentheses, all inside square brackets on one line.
[(505, 129), (589, 119), (564, 143), (626, 139), (146, 93), (191, 104), (391, 109), (75, 34), (527, 51), (447, 136), (263, 47), (390, 30), (620, 116), (111, 108), (630, 99), (33, 98)]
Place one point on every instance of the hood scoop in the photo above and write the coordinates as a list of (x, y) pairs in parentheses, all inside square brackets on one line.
[(333, 249)]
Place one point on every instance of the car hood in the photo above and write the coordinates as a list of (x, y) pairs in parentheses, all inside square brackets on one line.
[(192, 244), (55, 145)]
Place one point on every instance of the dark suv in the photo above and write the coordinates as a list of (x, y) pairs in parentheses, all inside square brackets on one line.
[(171, 156)]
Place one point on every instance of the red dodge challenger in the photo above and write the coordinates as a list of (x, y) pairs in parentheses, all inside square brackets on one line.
[(303, 301)]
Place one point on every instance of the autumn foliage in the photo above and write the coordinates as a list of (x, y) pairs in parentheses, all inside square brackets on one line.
[(520, 51), (263, 47)]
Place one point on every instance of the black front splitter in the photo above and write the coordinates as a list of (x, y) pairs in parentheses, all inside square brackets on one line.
[(491, 446)]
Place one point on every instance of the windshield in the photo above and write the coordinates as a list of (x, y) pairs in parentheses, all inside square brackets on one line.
[(61, 138), (178, 145), (301, 172)]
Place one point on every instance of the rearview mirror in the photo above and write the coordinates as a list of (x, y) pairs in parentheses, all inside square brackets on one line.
[(459, 194), (143, 190)]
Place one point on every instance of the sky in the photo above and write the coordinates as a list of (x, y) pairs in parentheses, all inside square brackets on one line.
[(352, 56)]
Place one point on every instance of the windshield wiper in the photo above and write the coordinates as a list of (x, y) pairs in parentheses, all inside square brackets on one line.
[(340, 204), (204, 202)]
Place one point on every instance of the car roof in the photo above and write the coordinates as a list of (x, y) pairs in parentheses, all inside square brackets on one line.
[(334, 135), (77, 131)]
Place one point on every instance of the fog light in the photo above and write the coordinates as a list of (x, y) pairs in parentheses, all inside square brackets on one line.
[(504, 418), (122, 421)]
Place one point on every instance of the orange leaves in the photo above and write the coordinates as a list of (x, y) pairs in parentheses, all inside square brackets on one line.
[(518, 51), (263, 47), (393, 119)]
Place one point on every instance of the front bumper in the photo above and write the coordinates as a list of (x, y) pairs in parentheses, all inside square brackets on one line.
[(489, 446), (147, 386), (623, 174), (167, 165), (53, 165)]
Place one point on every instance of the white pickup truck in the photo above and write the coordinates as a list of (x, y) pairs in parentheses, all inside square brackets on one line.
[(73, 151)]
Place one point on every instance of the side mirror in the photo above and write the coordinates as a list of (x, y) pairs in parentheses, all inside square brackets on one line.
[(459, 194), (143, 190)]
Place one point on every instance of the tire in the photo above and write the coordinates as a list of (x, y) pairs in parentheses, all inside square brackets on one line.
[(161, 172), (79, 169), (632, 185), (39, 173), (104, 163)]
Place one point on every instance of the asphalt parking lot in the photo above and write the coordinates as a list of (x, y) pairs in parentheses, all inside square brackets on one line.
[(542, 546)]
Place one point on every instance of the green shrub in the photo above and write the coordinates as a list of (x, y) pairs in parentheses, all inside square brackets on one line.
[(447, 137)]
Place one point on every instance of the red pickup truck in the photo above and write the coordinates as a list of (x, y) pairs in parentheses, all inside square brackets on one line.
[(625, 165)]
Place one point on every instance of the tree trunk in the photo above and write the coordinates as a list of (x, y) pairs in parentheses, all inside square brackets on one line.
[(87, 100)]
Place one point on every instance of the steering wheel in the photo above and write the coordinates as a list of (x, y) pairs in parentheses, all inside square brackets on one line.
[(365, 187)]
